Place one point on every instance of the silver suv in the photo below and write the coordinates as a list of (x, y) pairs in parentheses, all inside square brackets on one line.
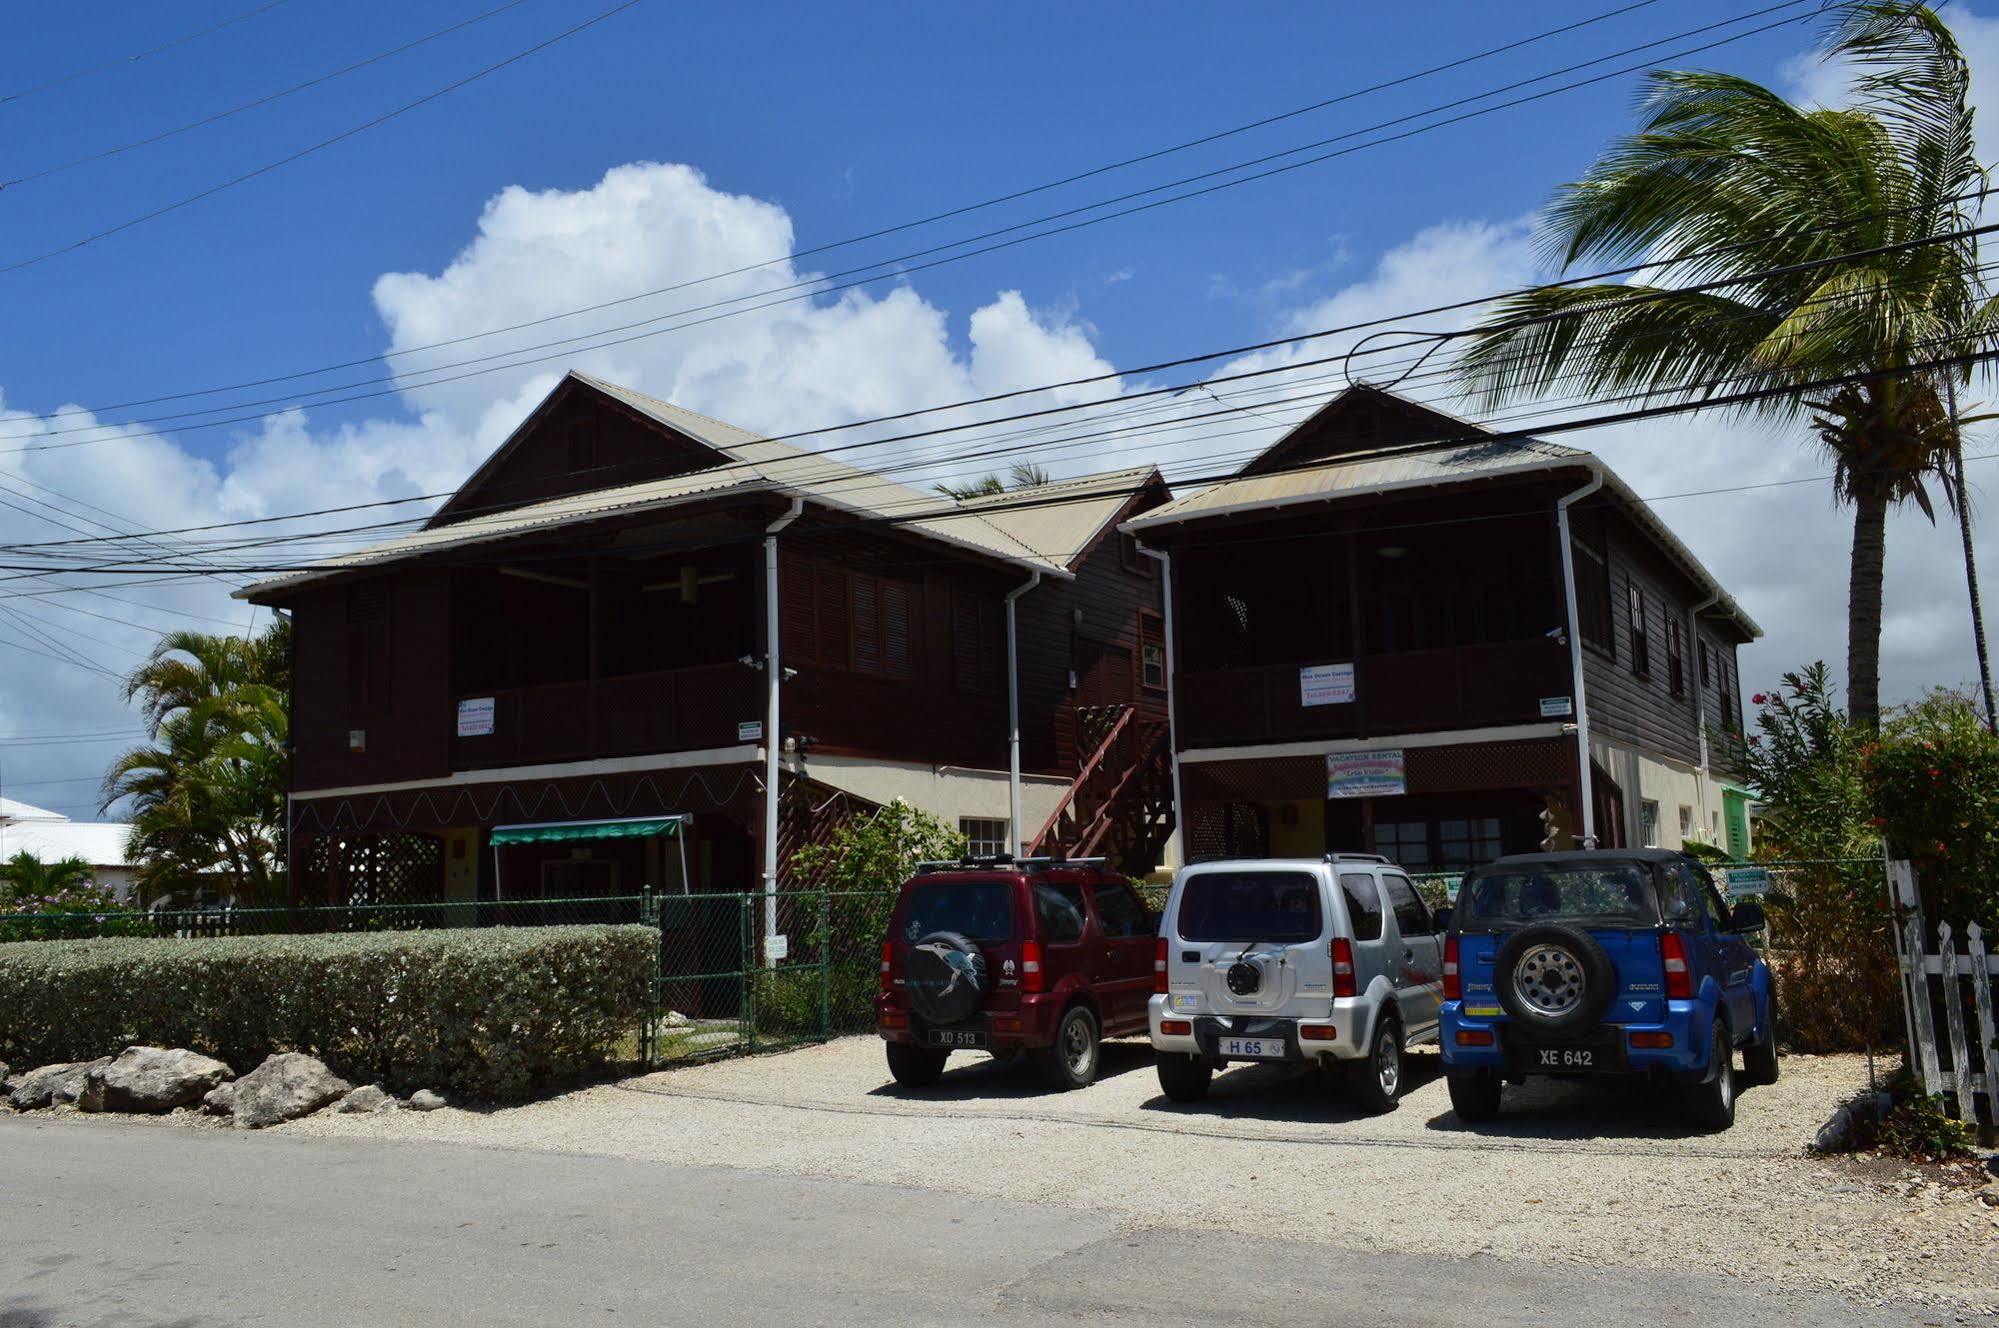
[(1337, 961)]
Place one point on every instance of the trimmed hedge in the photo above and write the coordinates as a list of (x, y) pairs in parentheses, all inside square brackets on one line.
[(495, 1013)]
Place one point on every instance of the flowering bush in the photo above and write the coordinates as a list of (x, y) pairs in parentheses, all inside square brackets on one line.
[(1934, 782)]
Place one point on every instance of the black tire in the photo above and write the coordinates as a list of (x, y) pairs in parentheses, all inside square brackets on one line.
[(1759, 1058), (1475, 1095), (1376, 1080), (1078, 1051), (945, 978), (914, 1066), (1711, 1105), (1554, 980), (1184, 1077)]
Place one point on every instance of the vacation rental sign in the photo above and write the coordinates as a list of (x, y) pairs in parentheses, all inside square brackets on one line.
[(475, 717), (1325, 684), (1365, 774)]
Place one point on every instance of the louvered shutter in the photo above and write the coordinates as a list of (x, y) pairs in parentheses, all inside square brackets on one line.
[(799, 621), (964, 641), (833, 617), (866, 609), (896, 629)]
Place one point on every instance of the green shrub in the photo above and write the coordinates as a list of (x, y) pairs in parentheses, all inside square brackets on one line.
[(1916, 1128), (496, 1013)]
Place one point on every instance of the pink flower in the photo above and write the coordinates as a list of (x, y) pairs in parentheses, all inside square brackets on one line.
[(1759, 698)]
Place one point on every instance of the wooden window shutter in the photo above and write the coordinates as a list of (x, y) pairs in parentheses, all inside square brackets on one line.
[(798, 622), (992, 645), (964, 641), (866, 602), (368, 653), (833, 616), (896, 629)]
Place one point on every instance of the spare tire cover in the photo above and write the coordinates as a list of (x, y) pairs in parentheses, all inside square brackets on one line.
[(945, 977), (1554, 979)]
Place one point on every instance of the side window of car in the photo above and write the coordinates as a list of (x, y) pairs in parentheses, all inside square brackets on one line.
[(1119, 911), (1678, 893), (1412, 915), (1717, 910), (1060, 909), (1363, 904)]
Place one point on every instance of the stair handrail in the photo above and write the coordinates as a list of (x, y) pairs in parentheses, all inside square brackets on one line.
[(1089, 768)]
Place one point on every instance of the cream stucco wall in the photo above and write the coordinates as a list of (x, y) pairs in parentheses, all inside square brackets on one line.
[(948, 792), (1644, 777)]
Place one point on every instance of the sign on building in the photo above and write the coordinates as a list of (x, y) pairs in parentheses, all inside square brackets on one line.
[(1744, 881), (1325, 684), (1365, 775), (750, 730), (475, 717), (1556, 707)]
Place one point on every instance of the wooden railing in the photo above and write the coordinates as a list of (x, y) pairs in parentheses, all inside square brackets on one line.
[(634, 715)]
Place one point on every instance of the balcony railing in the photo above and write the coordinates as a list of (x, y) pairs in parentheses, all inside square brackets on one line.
[(634, 715), (1423, 691)]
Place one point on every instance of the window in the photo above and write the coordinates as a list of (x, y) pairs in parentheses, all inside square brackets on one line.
[(879, 620), (1060, 908), (978, 642), (847, 619), (1151, 652), (1676, 664), (1704, 666), (1363, 905), (1412, 915), (1404, 842), (1600, 892), (1592, 564), (1120, 913), (982, 910), (1467, 843), (1129, 556), (1686, 824), (1648, 823), (1641, 641), (983, 838), (368, 654), (1250, 906)]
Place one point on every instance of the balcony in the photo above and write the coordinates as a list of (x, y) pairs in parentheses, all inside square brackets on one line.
[(1423, 691), (634, 715)]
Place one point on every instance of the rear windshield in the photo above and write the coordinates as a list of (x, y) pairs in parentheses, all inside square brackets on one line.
[(982, 910), (1622, 892), (1250, 906)]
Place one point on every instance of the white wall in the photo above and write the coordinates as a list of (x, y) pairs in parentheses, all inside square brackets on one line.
[(1645, 777), (947, 792)]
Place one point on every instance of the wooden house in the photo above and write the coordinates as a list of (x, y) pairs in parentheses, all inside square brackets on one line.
[(1399, 632)]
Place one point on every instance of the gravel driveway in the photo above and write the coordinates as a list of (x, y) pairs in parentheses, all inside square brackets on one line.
[(1572, 1173)]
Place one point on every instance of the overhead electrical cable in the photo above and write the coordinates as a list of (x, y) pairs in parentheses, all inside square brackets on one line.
[(121, 62)]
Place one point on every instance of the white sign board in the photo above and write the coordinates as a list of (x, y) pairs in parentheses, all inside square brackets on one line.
[(475, 717), (750, 730), (1556, 707), (1746, 881), (777, 949), (1325, 684), (1365, 775)]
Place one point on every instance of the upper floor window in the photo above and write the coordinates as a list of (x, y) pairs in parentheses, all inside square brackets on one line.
[(1130, 557), (1151, 652), (1702, 648), (1676, 652), (368, 652), (978, 642), (850, 620), (1593, 619), (1641, 640)]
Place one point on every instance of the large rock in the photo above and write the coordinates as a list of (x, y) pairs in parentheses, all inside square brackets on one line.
[(371, 1099), (52, 1085), (286, 1086), (150, 1080), (221, 1100), (425, 1100)]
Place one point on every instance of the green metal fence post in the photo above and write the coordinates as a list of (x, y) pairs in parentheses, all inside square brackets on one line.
[(649, 1030), (825, 965), (746, 1004)]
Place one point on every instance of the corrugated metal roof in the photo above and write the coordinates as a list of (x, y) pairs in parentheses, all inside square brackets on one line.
[(1061, 519), (99, 843), (755, 464)]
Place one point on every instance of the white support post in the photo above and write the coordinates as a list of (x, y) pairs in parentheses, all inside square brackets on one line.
[(1587, 788), (1176, 843), (773, 732), (1013, 714)]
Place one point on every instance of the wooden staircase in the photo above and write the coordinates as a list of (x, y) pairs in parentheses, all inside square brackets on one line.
[(1120, 805)]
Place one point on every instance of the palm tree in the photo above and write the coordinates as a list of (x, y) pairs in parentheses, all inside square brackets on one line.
[(1023, 474), (207, 792), (1726, 170), (25, 876)]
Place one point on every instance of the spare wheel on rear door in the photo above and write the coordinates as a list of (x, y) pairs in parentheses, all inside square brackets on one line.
[(1554, 979), (945, 977)]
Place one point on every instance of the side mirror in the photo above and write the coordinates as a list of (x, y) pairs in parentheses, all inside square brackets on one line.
[(1747, 917), (1442, 918)]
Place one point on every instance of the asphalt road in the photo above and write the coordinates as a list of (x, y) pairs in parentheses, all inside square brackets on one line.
[(139, 1226)]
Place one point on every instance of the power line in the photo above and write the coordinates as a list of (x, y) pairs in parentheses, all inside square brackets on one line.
[(202, 123), (901, 265), (322, 144), (135, 58)]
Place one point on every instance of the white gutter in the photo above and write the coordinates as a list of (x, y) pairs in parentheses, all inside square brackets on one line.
[(1700, 697), (1562, 505), (773, 679), (1177, 841), (1013, 715)]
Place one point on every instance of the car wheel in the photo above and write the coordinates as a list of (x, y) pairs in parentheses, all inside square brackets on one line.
[(1072, 1061), (914, 1066), (1377, 1080), (1712, 1104), (1183, 1077), (1759, 1058), (1475, 1095)]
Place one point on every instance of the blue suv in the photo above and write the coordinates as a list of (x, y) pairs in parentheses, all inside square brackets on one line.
[(1604, 962)]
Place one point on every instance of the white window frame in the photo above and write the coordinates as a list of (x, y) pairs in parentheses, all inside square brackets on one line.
[(1648, 822), (981, 845)]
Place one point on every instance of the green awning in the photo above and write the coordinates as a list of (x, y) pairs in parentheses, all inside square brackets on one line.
[(551, 832)]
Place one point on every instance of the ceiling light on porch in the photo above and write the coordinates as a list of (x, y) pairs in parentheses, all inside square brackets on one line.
[(1391, 550)]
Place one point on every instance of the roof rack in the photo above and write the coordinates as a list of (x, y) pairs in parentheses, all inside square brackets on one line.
[(990, 861), (1356, 857)]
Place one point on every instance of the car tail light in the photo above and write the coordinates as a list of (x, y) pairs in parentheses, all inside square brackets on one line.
[(1341, 951), (1454, 987), (1673, 955), (894, 1019), (1159, 968), (1009, 1025), (1474, 1037), (1175, 1027), (1030, 967), (1655, 1041), (1318, 1033), (888, 966)]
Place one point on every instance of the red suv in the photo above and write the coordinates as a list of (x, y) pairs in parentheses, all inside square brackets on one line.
[(1045, 957)]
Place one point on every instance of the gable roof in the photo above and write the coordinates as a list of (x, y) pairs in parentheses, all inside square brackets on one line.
[(13, 810), (1064, 519), (746, 463)]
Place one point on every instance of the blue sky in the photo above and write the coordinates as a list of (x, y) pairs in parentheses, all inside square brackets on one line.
[(673, 141)]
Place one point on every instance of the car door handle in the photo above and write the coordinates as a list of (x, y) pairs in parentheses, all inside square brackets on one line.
[(1408, 954)]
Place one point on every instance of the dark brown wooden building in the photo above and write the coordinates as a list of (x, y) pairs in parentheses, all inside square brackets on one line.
[(1373, 647), (584, 633)]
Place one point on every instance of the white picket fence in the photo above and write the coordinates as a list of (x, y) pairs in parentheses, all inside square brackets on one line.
[(1927, 1008)]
